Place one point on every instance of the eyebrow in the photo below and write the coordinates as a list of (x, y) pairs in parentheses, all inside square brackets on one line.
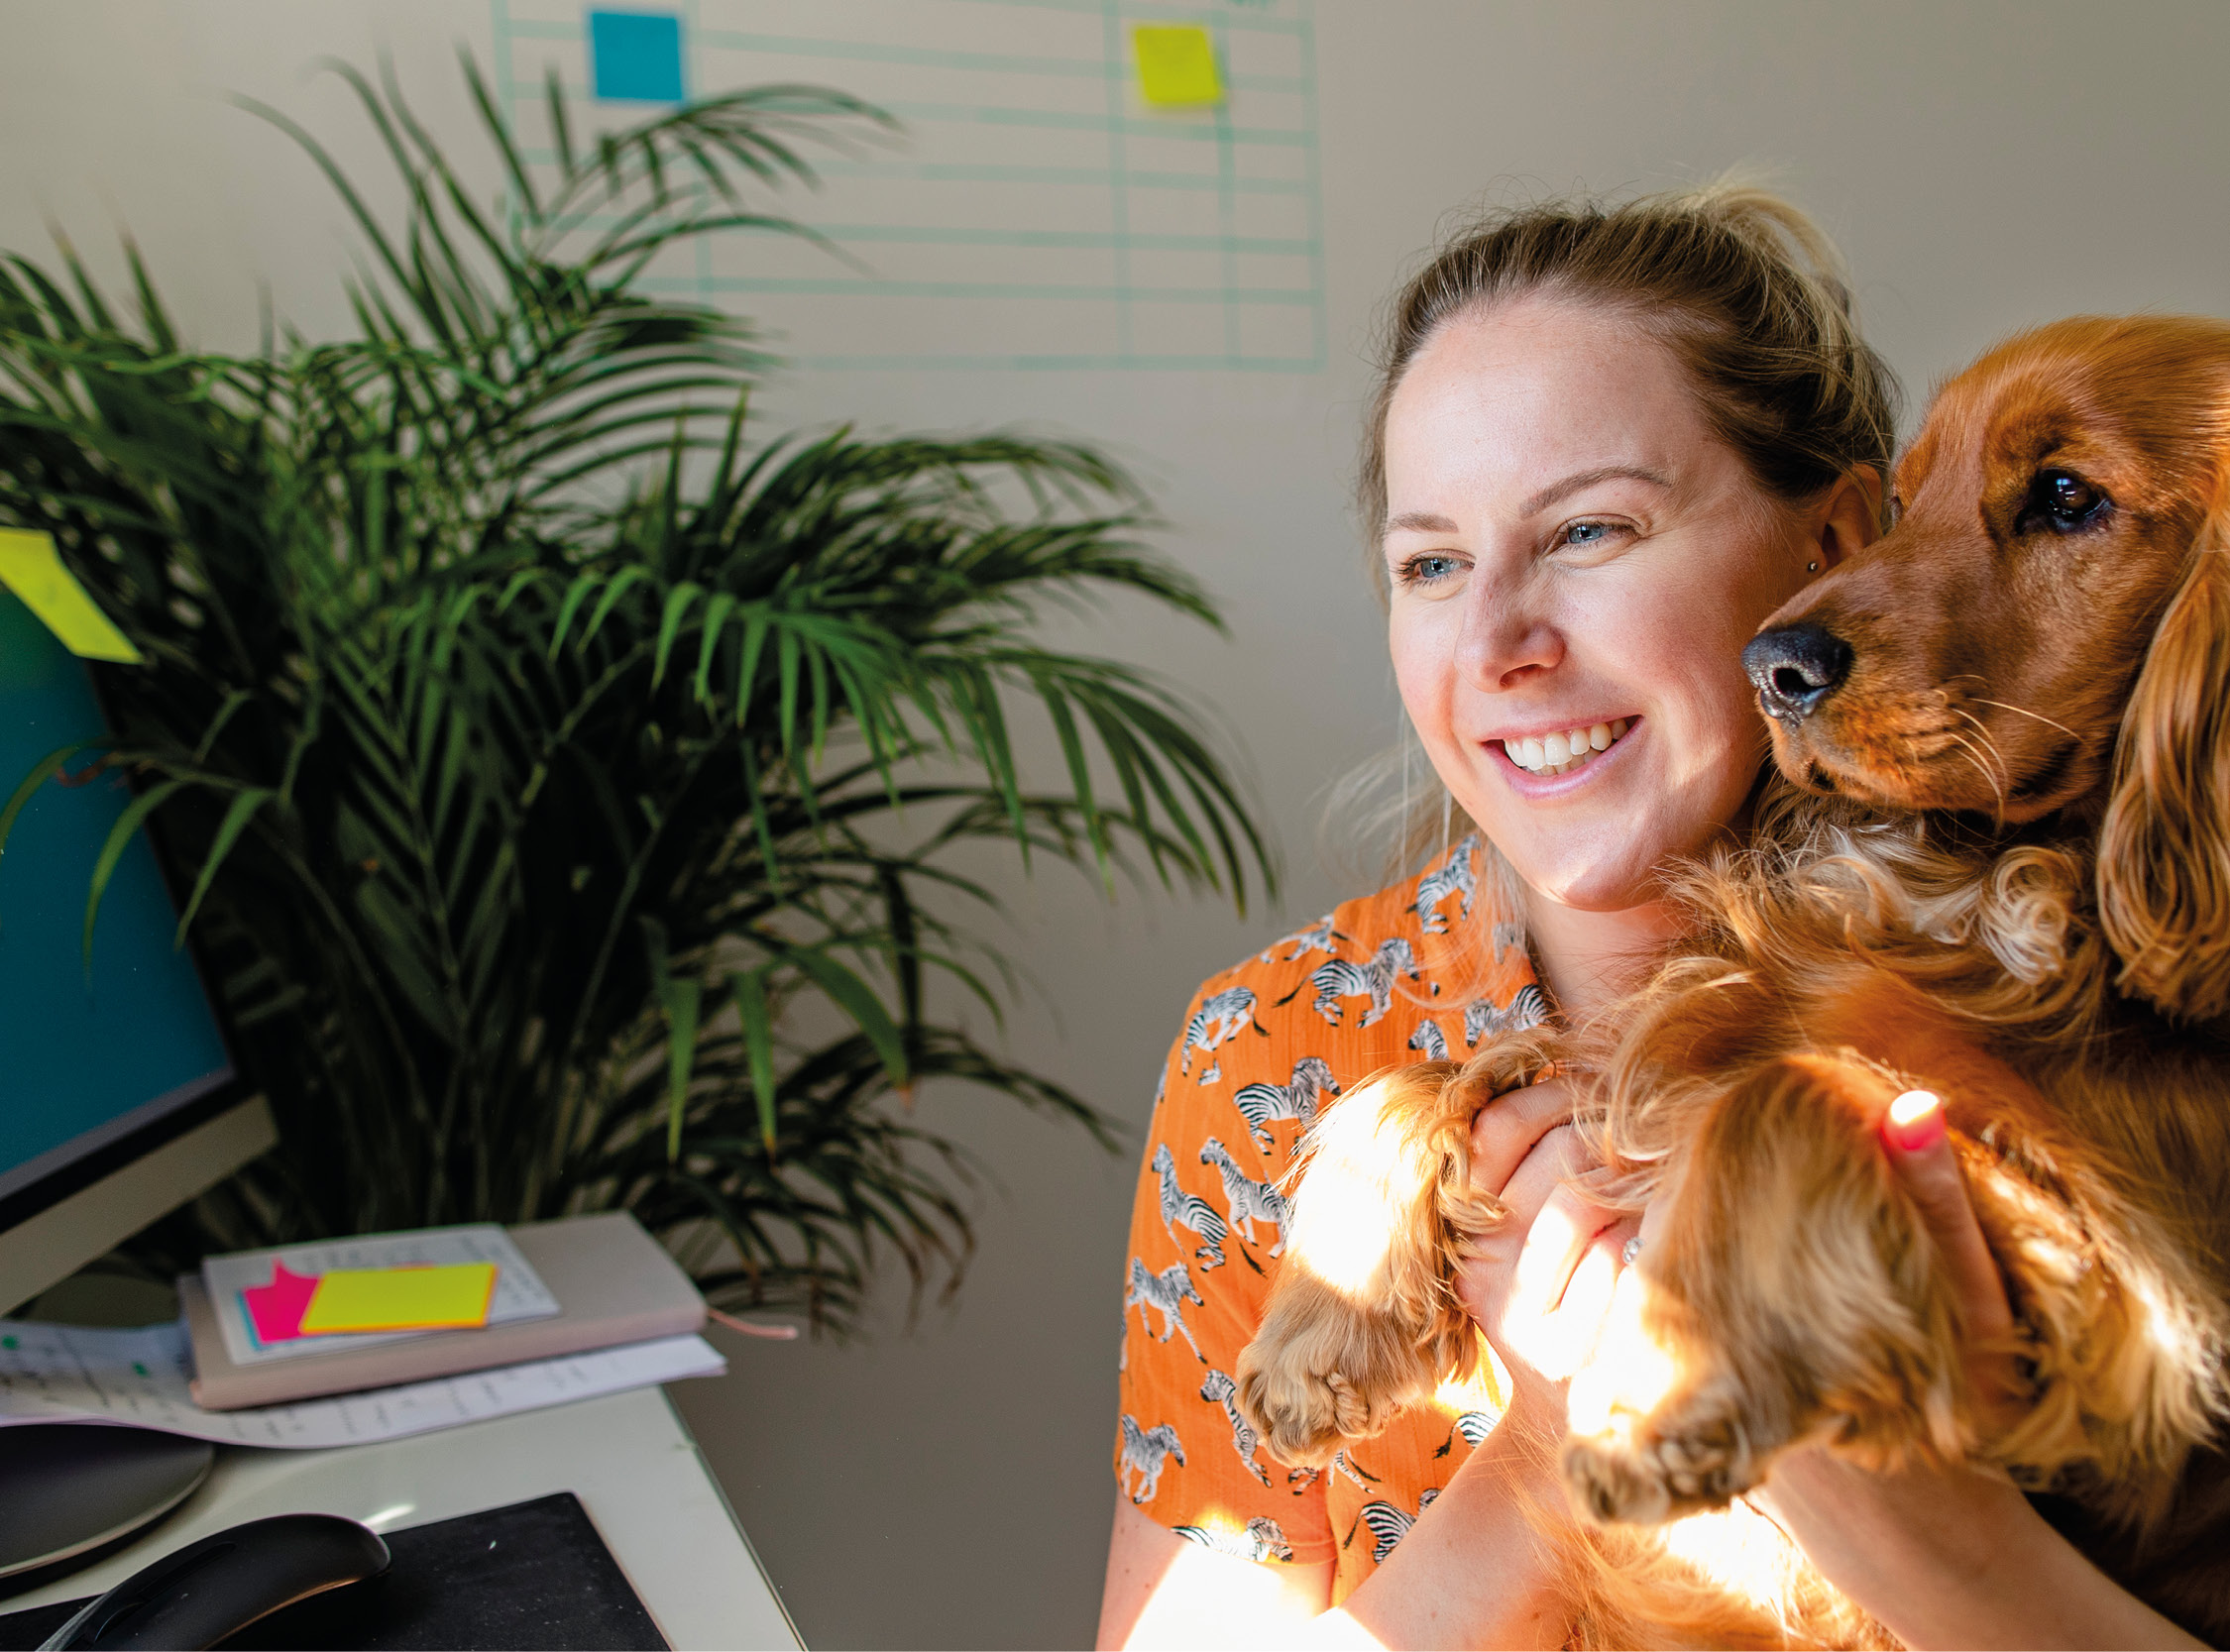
[(1588, 479), (1420, 521), (1426, 521)]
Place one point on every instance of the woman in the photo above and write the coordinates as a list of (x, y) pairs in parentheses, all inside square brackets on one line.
[(1606, 445)]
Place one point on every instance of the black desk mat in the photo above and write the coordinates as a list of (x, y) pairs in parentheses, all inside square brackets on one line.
[(533, 1574)]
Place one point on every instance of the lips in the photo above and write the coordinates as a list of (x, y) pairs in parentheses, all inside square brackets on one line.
[(1565, 752)]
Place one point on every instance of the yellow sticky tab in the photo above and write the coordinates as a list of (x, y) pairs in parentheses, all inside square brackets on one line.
[(1176, 63), (400, 1299), (31, 567)]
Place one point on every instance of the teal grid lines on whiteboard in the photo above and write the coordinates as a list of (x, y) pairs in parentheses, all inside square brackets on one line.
[(1039, 215)]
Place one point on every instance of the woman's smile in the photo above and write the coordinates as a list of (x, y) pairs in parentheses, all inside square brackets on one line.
[(1563, 750)]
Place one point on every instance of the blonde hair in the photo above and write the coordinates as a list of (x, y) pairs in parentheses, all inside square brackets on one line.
[(1745, 288), (1741, 286)]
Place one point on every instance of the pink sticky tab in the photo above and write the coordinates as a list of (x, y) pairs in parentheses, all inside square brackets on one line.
[(276, 1310)]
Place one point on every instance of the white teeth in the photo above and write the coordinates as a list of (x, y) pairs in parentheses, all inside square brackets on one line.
[(1562, 753)]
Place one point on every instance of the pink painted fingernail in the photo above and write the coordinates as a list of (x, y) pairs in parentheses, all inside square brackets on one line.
[(1916, 1121)]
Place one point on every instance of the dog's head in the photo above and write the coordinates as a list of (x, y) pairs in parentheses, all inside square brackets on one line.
[(2046, 629)]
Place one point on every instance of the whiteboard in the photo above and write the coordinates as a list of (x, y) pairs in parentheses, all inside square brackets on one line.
[(1042, 216)]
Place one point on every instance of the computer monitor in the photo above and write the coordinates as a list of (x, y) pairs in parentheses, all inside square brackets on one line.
[(119, 1099), (122, 1099)]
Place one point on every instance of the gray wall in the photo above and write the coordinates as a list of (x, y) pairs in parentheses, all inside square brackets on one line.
[(1984, 165)]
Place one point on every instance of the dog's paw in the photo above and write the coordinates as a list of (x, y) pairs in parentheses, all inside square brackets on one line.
[(1304, 1416), (1658, 1469)]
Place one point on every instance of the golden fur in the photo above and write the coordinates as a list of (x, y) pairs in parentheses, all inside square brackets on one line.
[(2004, 876)]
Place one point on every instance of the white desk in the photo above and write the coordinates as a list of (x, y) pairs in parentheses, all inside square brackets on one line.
[(627, 1457)]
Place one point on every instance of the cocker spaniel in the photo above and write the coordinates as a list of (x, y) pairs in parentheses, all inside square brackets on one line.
[(1999, 869)]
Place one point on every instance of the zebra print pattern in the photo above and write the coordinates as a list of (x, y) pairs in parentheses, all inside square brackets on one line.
[(1180, 1209), (1167, 1290), (1219, 1017), (1296, 1099), (1247, 1197), (1317, 937), (1221, 1389), (1144, 1451), (1457, 875), (1508, 936), (1341, 1463), (1262, 1540), (1341, 979), (1430, 1040), (1471, 1427), (1528, 1007), (1388, 1524)]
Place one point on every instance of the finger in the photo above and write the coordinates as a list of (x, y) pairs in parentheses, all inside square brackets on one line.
[(1595, 1279), (1509, 1127), (1920, 1150), (1554, 1159), (1559, 1238)]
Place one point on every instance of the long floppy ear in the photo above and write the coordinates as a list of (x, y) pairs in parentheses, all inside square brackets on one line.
[(2164, 854)]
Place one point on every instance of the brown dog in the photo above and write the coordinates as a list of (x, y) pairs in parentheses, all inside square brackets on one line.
[(2010, 884)]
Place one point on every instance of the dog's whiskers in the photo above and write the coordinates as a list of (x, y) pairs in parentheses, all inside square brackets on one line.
[(1982, 733), (2001, 704), (2023, 711), (1966, 750)]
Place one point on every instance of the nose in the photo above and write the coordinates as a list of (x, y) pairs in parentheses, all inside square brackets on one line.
[(1795, 666)]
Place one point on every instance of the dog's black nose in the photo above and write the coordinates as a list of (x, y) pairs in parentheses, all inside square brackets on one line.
[(1795, 666)]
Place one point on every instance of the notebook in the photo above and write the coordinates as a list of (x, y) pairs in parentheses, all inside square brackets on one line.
[(612, 1282)]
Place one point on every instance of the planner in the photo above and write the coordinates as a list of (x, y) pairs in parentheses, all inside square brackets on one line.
[(613, 1284)]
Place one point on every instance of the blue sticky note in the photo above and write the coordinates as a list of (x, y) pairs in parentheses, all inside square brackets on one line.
[(635, 57)]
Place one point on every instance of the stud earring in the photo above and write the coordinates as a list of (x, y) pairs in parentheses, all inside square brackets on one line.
[(1811, 567)]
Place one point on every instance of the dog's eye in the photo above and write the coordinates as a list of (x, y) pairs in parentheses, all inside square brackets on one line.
[(2061, 501)]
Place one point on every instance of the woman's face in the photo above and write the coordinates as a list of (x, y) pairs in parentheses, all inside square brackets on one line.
[(1573, 553)]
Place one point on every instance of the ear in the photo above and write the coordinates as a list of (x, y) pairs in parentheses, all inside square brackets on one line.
[(1850, 517), (2163, 852)]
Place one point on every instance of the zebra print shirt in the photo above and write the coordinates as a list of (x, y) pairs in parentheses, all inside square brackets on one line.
[(1424, 969)]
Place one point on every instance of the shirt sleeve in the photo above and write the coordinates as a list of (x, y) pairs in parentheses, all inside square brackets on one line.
[(1194, 1293)]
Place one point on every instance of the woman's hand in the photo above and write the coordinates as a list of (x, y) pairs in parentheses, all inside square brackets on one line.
[(1952, 1555), (1473, 1571), (1540, 1285)]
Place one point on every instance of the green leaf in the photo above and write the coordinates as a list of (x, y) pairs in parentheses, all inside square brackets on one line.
[(857, 999), (618, 587), (748, 988), (41, 772), (680, 997), (679, 601), (716, 622), (238, 814), (112, 851), (755, 621), (582, 588)]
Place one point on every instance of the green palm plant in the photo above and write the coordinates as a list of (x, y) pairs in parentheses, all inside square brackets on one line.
[(568, 781)]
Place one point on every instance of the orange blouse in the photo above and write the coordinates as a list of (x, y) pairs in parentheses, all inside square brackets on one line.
[(1419, 972)]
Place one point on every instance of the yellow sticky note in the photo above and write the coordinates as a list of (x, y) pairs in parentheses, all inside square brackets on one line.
[(401, 1298), (1176, 63), (31, 567)]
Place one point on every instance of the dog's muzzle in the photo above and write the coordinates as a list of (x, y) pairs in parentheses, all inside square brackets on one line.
[(1795, 668)]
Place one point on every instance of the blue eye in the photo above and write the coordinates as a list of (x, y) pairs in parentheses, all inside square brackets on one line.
[(1422, 570), (1586, 533)]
